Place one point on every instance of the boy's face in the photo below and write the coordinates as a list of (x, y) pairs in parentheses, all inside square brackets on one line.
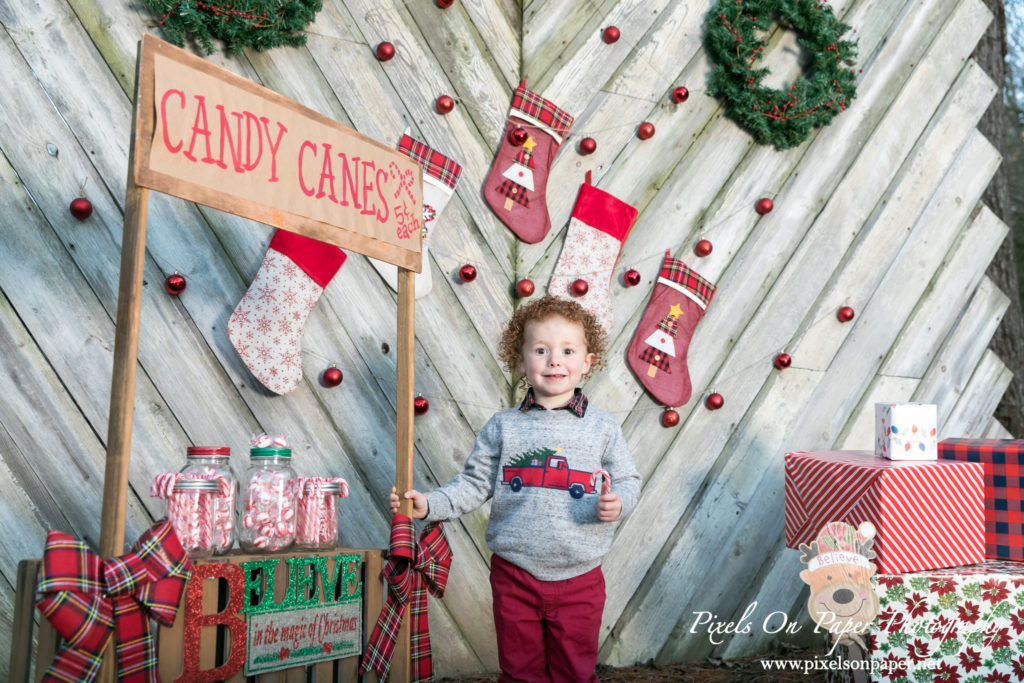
[(554, 358)]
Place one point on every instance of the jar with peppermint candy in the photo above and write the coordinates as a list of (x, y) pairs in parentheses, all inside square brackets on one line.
[(212, 462), (191, 508), (267, 507), (317, 510)]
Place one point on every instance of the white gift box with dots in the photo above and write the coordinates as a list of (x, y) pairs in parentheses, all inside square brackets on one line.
[(906, 431)]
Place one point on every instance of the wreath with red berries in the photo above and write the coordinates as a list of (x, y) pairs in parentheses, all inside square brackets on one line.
[(259, 24), (735, 40)]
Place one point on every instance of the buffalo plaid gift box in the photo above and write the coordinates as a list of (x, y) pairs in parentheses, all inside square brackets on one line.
[(927, 514), (1003, 461)]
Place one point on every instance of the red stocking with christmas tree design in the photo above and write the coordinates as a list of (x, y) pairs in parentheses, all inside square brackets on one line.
[(267, 324), (516, 187), (657, 353), (599, 225)]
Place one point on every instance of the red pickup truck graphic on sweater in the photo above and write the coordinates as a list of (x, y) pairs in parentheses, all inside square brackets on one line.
[(554, 473)]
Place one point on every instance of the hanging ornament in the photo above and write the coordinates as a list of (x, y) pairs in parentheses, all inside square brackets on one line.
[(445, 4), (669, 418), (467, 273), (81, 208), (845, 314), (175, 284), (444, 104), (420, 405), (385, 51), (703, 248), (579, 287), (518, 136), (680, 95), (332, 376), (714, 401), (588, 146), (764, 205), (631, 277), (645, 131), (783, 361), (610, 35), (524, 288)]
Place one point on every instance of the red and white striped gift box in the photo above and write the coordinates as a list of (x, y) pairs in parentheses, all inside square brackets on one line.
[(927, 514)]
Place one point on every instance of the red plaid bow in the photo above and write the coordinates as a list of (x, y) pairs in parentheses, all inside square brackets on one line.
[(86, 598), (429, 560)]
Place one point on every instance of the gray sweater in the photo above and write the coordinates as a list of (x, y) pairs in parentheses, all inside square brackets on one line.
[(536, 465)]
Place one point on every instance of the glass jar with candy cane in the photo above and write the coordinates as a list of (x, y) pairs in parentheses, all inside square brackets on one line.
[(318, 511), (191, 507), (267, 508), (211, 462)]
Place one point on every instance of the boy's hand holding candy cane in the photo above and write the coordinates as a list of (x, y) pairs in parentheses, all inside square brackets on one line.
[(609, 505)]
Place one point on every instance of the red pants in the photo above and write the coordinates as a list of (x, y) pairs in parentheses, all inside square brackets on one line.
[(547, 630)]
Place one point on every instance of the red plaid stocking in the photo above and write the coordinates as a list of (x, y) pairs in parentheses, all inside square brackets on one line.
[(657, 353), (516, 187)]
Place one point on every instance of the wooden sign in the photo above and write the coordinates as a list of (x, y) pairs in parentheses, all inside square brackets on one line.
[(217, 139)]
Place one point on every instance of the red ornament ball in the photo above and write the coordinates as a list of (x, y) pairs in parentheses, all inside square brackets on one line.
[(524, 288), (764, 205), (445, 4), (680, 95), (714, 401), (444, 104), (467, 273), (517, 136), (81, 208), (420, 405), (845, 314), (588, 146), (631, 277), (783, 361), (703, 248), (385, 51), (579, 287), (610, 35), (175, 284), (332, 376), (645, 131), (669, 418)]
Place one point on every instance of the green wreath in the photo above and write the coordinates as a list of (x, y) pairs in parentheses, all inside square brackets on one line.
[(783, 118), (259, 24)]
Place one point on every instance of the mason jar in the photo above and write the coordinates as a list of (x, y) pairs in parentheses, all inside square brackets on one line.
[(211, 462), (191, 507), (317, 511), (266, 512)]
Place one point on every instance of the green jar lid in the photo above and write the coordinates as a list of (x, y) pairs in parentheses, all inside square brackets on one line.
[(270, 452)]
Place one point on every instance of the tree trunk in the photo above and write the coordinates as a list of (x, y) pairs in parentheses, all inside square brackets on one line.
[(1008, 341)]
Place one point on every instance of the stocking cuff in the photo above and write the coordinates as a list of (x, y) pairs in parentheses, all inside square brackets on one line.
[(530, 106), (604, 212), (317, 259), (679, 276), (435, 164)]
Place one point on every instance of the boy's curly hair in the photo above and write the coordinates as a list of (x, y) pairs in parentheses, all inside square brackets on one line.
[(510, 344)]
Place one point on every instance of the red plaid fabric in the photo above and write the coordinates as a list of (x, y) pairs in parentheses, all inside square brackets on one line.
[(515, 192), (87, 599), (1004, 487), (536, 107), (676, 271), (658, 359), (435, 164), (413, 568)]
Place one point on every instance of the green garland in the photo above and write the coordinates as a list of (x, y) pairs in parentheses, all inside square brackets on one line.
[(259, 24), (781, 118)]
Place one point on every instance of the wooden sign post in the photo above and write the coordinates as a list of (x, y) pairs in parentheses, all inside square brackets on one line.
[(204, 134)]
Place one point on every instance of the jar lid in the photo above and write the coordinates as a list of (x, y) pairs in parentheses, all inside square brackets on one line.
[(196, 485), (270, 452), (207, 451), (331, 487)]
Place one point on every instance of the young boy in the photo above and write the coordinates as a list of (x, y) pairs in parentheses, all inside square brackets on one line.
[(547, 532)]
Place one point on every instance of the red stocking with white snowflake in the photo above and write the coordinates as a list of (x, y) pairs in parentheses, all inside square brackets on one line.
[(599, 225), (516, 187), (657, 354), (267, 324)]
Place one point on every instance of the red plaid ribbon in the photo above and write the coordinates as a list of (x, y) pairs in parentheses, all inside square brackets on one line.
[(412, 569), (536, 107), (676, 271), (435, 164), (87, 599)]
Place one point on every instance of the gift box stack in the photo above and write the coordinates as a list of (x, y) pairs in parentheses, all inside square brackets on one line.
[(949, 544)]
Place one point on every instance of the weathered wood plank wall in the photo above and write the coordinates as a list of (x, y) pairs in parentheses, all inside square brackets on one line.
[(878, 211)]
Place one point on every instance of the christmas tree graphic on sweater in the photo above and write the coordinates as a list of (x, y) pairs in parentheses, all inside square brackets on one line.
[(545, 468)]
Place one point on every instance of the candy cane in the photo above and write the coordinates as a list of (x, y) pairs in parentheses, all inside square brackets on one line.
[(163, 484), (606, 486)]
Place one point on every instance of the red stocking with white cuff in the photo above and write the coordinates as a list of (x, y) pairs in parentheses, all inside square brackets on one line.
[(598, 227), (266, 326)]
